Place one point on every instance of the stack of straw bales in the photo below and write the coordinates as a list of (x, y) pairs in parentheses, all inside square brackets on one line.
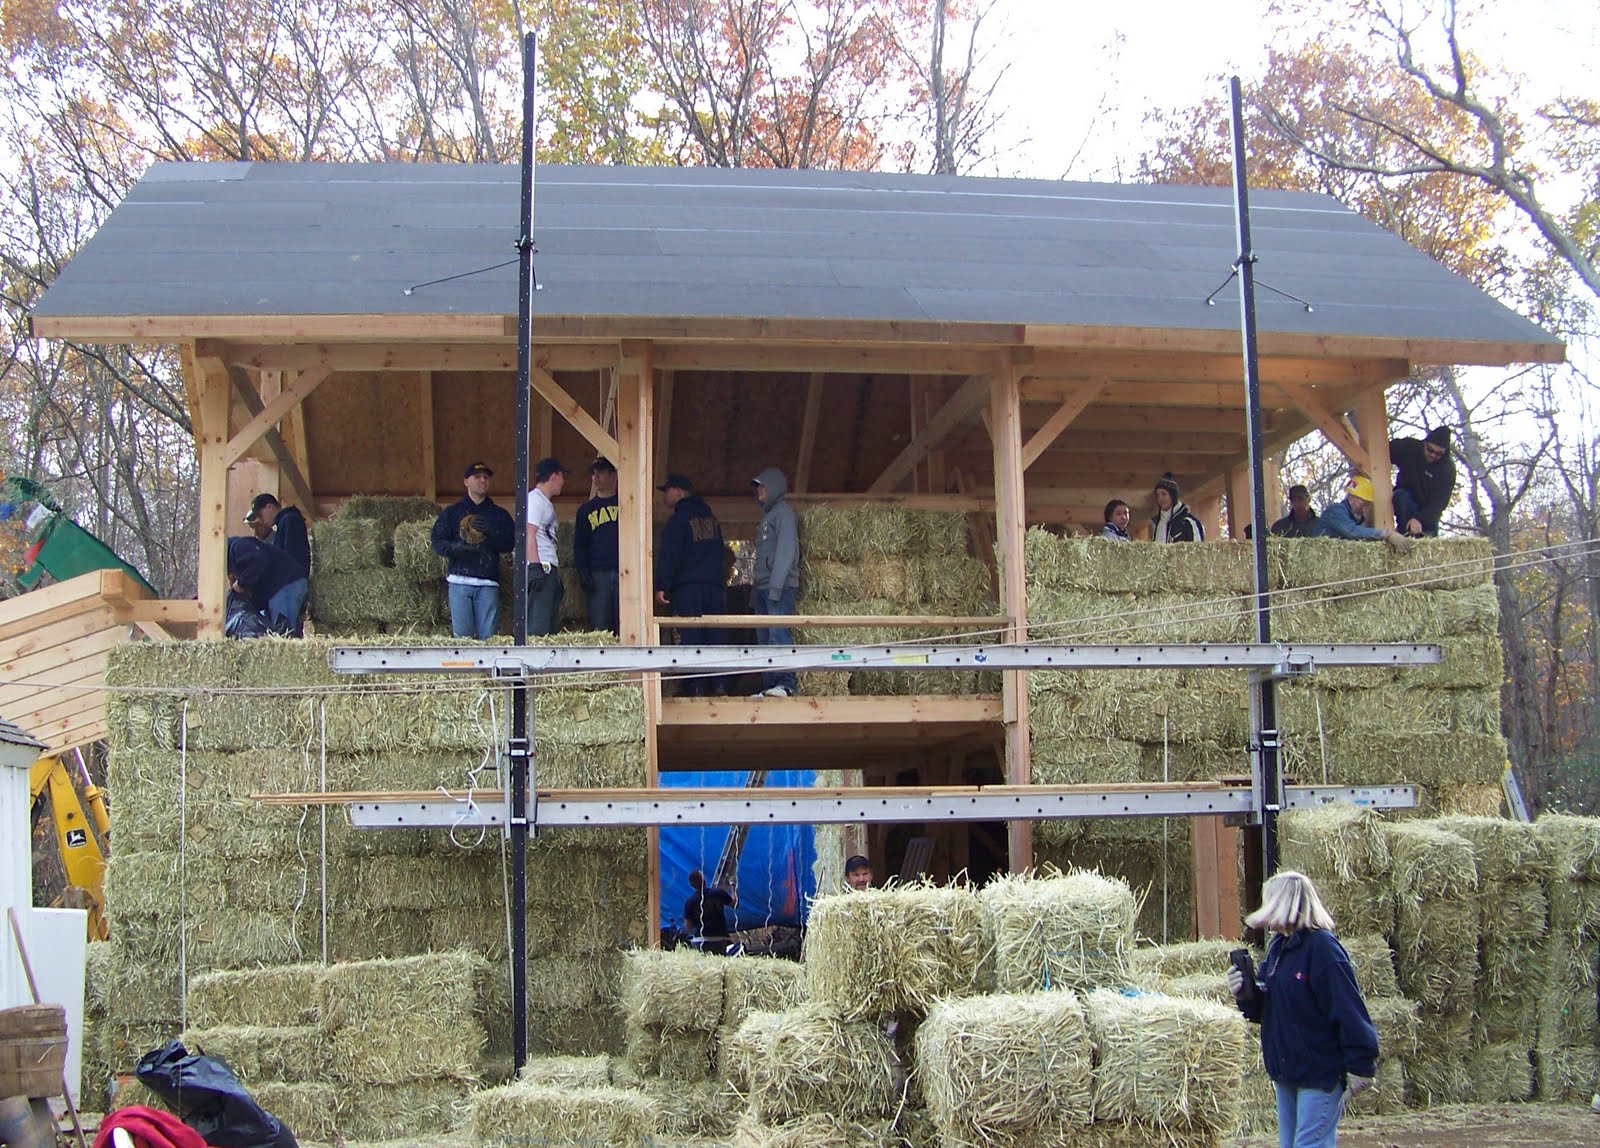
[(1071, 931), (205, 878), (1345, 852), (1151, 854), (887, 560), (1513, 871), (526, 1112), (357, 587), (1568, 1051), (1434, 876), (369, 1050)]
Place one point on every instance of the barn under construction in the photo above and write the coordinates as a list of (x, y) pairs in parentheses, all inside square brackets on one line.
[(956, 375)]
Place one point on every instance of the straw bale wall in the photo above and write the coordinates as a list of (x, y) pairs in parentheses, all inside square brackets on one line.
[(204, 878)]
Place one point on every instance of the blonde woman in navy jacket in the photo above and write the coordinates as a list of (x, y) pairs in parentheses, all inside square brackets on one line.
[(1317, 1041)]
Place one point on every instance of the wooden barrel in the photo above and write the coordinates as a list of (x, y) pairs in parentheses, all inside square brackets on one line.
[(33, 1050)]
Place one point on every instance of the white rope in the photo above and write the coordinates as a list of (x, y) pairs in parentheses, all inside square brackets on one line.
[(183, 865), (1166, 879), (1322, 736), (299, 841)]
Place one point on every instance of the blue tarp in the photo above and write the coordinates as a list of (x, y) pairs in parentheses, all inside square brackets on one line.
[(775, 869)]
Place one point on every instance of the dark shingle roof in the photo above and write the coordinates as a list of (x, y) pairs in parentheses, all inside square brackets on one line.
[(232, 239)]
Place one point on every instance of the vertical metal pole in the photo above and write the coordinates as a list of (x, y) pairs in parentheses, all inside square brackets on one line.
[(519, 758), (1270, 790)]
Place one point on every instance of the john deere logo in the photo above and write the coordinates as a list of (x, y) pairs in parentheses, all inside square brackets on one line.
[(77, 838)]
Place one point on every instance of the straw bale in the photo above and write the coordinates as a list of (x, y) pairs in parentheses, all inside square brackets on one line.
[(372, 934), (759, 984), (1512, 1018), (1137, 1134), (1470, 662), (816, 1130), (217, 939), (1567, 998), (532, 1113), (422, 883), (1468, 799), (413, 552), (572, 982), (1327, 565), (405, 1019), (1008, 1069), (960, 585), (589, 717), (567, 1071), (1436, 1072), (257, 1052), (702, 1109), (888, 951), (575, 1032), (1186, 959), (1151, 854), (851, 533), (1193, 760), (1075, 615), (823, 684), (1150, 706), (1573, 843), (1166, 1061), (1344, 851), (1372, 961), (1501, 1073), (129, 1093), (1070, 931), (1198, 986), (1436, 931), (1567, 1073), (1574, 910), (309, 1109), (1432, 759), (122, 1045), (1082, 760), (390, 511), (378, 594), (348, 545), (1092, 564), (807, 1059), (1399, 1024), (137, 991), (1387, 1096), (678, 990), (392, 1111), (678, 1055)]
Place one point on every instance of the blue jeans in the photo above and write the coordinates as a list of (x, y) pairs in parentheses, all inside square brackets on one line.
[(1308, 1117), (605, 602), (544, 600), (286, 607), (775, 635), (474, 610), (1405, 509)]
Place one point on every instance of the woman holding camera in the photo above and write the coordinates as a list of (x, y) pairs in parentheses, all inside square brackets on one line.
[(1317, 1040)]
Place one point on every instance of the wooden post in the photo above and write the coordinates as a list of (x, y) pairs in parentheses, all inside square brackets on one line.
[(1272, 473), (213, 392), (1216, 878), (1240, 513), (428, 480), (635, 462), (1209, 512), (1005, 423), (1373, 415)]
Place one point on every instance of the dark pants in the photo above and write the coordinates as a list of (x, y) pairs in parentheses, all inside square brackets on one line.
[(1405, 509), (695, 600), (775, 635), (605, 605), (544, 601)]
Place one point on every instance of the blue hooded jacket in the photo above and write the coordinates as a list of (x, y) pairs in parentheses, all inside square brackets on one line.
[(1337, 521), (1315, 1030)]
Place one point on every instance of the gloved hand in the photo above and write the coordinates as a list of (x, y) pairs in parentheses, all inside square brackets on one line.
[(586, 580), (1356, 1085), (1235, 981), (471, 532), (1398, 542)]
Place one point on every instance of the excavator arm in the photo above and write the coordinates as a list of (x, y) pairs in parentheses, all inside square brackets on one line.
[(77, 836)]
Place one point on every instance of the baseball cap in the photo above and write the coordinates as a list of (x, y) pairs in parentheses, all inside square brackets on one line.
[(1298, 490), (479, 468), (256, 503), (681, 481), (602, 463), (547, 467)]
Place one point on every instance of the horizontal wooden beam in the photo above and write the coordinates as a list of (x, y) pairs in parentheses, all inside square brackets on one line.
[(843, 621), (28, 612), (1189, 367), (162, 611), (929, 709), (60, 645), (348, 357), (544, 383), (1080, 440), (808, 358)]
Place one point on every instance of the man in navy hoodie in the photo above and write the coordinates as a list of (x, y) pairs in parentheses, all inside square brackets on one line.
[(689, 572), (594, 548), (472, 534)]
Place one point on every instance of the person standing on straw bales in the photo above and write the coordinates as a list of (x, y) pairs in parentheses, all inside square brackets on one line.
[(1425, 481), (1118, 515), (1301, 520), (705, 913), (544, 575), (777, 572), (1348, 519), (1317, 1041), (594, 548), (689, 572), (272, 581), (470, 535), (1173, 521)]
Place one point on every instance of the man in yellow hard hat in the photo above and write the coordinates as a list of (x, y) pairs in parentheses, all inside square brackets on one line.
[(1348, 519)]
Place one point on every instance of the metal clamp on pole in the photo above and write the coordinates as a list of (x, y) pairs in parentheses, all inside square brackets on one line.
[(1295, 665)]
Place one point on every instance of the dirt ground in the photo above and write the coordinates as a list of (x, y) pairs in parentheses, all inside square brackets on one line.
[(1502, 1126)]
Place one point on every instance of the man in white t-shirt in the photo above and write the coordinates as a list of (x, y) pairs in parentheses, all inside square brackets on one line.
[(544, 576)]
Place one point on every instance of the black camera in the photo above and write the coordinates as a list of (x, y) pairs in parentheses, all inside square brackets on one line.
[(1241, 960)]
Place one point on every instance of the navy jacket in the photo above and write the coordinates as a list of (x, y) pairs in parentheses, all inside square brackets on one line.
[(1315, 1030), (594, 535), (474, 560), (261, 569), (289, 534), (691, 547), (1430, 483), (1287, 527)]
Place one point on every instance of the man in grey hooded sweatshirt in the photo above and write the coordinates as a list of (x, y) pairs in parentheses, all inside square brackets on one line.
[(777, 571)]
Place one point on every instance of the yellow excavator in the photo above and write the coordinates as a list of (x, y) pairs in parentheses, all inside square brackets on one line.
[(82, 838)]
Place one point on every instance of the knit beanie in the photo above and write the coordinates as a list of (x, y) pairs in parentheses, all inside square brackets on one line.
[(1439, 436), (1169, 484)]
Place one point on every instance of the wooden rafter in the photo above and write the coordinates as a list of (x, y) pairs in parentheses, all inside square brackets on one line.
[(1332, 424), (287, 466), (1069, 410), (271, 413), (959, 407), (570, 409), (808, 433)]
